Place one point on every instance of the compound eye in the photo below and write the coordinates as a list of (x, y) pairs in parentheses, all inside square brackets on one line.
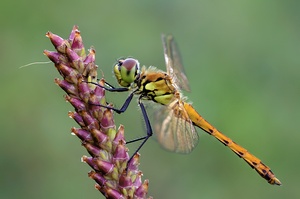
[(126, 71), (130, 64)]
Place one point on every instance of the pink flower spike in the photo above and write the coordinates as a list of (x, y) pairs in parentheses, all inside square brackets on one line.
[(97, 129)]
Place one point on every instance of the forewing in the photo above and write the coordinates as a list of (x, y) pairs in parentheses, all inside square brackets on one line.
[(174, 130), (173, 62)]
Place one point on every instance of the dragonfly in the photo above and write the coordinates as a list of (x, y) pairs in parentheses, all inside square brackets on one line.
[(175, 120)]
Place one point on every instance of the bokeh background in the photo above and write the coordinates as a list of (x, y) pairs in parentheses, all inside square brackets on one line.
[(243, 63)]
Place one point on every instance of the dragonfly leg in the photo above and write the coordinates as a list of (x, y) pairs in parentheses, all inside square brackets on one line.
[(111, 88), (148, 129), (124, 108)]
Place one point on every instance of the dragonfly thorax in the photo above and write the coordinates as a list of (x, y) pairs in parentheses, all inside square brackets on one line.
[(156, 85)]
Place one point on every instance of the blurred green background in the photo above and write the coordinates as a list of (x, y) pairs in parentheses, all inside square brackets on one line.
[(243, 62)]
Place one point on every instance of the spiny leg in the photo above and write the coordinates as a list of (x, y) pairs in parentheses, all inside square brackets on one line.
[(111, 88), (124, 108), (148, 129)]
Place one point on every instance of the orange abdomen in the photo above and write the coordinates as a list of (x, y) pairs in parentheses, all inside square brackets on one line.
[(253, 161)]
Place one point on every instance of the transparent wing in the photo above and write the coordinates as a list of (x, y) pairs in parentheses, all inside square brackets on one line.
[(173, 62), (173, 128)]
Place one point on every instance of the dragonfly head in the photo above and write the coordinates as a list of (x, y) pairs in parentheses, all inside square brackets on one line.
[(126, 71)]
